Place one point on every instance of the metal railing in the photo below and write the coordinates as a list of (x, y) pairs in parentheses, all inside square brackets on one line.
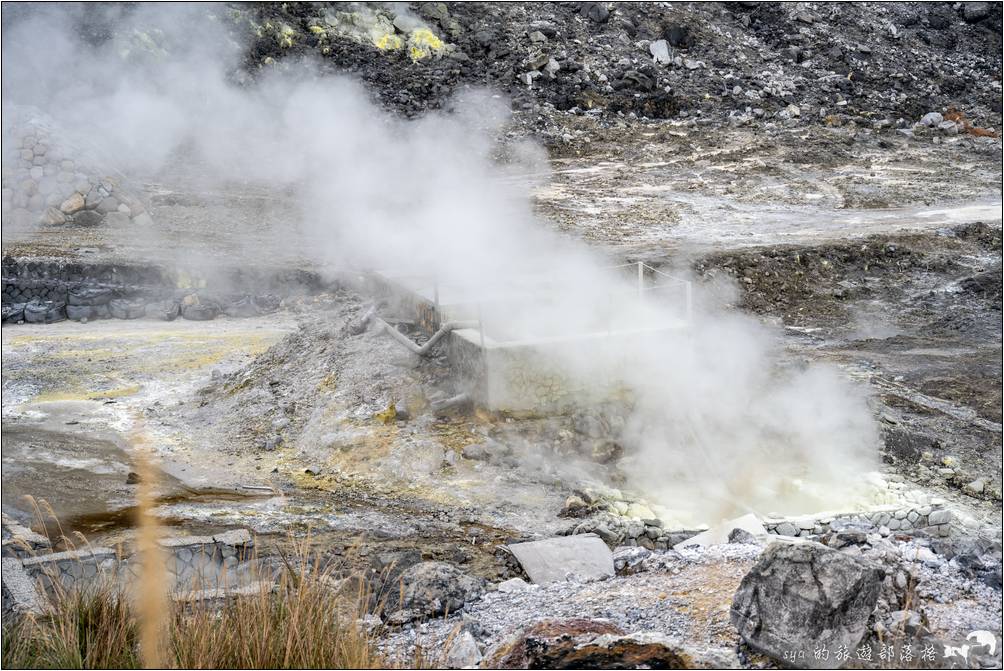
[(662, 280), (688, 286)]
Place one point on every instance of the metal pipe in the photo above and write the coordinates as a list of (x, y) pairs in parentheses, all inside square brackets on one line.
[(435, 298), (423, 350), (451, 402), (481, 327)]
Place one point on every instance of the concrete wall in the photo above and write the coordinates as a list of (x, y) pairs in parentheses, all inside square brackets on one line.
[(520, 377), (536, 377)]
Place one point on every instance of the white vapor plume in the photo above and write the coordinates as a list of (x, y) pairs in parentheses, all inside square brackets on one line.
[(717, 427)]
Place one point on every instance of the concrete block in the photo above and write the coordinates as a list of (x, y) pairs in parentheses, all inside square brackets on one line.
[(250, 589), (583, 556)]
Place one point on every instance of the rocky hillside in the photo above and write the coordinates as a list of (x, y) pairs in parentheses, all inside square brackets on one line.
[(817, 62)]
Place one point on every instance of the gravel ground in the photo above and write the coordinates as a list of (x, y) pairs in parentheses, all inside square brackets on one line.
[(683, 595), (687, 595)]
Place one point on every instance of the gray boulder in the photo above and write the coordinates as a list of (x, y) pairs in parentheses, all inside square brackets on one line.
[(595, 11), (802, 597), (975, 11), (491, 451), (87, 218), (428, 589), (742, 536), (37, 311), (168, 310), (932, 119)]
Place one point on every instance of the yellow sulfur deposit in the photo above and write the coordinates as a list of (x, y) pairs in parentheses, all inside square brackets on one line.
[(285, 37), (422, 43), (388, 41), (387, 416)]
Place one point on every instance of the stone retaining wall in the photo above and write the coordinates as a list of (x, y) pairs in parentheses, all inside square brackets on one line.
[(935, 520), (52, 279), (634, 528), (212, 565), (50, 179), (70, 570), (63, 289)]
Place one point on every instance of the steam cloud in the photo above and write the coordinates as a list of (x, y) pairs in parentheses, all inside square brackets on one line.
[(718, 426)]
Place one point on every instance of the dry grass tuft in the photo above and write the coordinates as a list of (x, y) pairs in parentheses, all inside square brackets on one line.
[(298, 623)]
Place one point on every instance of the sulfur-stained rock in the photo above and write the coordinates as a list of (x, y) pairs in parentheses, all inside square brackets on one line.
[(73, 204)]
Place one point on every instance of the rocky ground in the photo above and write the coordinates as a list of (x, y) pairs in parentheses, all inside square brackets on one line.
[(840, 163), (687, 597)]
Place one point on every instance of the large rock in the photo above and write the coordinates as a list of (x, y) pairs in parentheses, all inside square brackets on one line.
[(428, 589), (802, 597), (592, 644), (582, 557), (126, 308), (595, 11), (87, 218), (932, 119), (975, 11)]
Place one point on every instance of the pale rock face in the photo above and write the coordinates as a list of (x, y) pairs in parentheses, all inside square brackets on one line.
[(660, 52), (463, 652)]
